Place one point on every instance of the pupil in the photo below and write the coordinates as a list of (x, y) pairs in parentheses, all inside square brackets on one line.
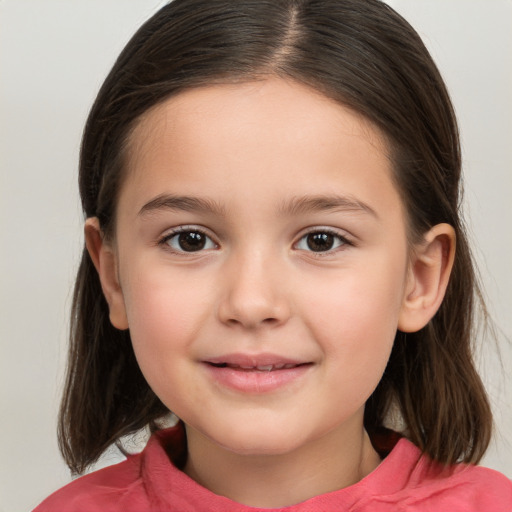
[(192, 241), (318, 242)]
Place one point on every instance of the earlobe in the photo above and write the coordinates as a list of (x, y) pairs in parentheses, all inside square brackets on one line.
[(429, 274), (104, 259)]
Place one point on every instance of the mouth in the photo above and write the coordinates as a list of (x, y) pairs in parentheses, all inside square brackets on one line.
[(259, 368), (263, 373)]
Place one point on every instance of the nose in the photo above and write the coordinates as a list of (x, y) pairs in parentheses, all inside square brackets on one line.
[(253, 293)]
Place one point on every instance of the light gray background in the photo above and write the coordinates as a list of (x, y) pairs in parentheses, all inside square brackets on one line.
[(53, 57)]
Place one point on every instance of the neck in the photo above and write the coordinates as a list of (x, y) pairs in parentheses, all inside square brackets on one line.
[(272, 481)]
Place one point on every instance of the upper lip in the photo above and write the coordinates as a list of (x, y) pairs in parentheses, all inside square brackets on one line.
[(247, 361)]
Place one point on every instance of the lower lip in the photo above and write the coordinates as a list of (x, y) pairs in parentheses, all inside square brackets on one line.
[(256, 381)]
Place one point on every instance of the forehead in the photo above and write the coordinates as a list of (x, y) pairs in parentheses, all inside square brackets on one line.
[(267, 103), (279, 131)]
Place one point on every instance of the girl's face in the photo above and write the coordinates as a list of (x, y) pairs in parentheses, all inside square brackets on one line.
[(262, 261)]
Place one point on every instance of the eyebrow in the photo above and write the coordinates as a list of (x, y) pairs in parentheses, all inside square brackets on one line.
[(318, 203), (294, 206), (182, 203)]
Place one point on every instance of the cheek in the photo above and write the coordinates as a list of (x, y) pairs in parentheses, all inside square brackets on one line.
[(359, 298), (164, 316), (355, 319), (161, 306)]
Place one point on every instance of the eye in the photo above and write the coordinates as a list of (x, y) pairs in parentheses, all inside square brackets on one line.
[(321, 241), (188, 240)]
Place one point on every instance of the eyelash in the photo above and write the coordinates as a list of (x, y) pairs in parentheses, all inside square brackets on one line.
[(342, 240), (164, 241)]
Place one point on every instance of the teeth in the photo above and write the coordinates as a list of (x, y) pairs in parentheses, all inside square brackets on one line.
[(267, 367), (261, 367)]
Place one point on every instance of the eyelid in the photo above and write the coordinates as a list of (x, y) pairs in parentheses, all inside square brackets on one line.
[(172, 232), (342, 235)]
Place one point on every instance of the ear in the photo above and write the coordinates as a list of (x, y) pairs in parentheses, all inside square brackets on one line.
[(104, 258), (429, 273)]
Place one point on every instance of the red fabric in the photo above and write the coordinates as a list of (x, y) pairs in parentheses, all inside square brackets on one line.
[(404, 481)]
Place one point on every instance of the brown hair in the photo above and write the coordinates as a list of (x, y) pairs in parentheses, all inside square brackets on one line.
[(365, 56)]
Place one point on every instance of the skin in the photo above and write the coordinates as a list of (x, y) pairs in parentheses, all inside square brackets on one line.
[(255, 154)]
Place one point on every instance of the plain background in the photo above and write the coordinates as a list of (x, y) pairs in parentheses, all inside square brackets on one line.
[(54, 55)]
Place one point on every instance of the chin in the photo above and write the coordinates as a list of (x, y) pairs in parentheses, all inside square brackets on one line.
[(254, 449), (259, 442)]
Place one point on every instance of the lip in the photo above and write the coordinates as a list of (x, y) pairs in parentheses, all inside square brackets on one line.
[(255, 373)]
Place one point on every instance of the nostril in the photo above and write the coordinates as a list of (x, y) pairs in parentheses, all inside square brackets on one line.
[(252, 310), (249, 323), (266, 322)]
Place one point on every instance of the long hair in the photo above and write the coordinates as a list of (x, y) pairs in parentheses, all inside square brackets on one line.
[(365, 56)]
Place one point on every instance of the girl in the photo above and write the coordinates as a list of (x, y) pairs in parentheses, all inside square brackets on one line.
[(274, 253)]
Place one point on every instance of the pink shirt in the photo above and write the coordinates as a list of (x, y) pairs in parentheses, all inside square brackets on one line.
[(404, 481)]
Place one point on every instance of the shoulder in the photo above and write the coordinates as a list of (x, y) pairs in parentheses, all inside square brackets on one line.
[(134, 485), (117, 487), (458, 488), (478, 487)]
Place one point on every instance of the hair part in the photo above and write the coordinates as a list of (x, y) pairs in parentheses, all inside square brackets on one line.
[(365, 56)]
